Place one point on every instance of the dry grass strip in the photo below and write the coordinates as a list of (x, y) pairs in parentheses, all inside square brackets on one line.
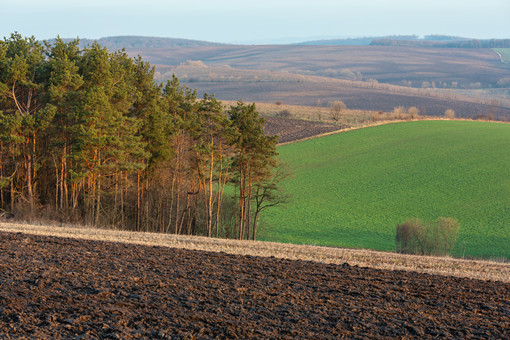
[(476, 269)]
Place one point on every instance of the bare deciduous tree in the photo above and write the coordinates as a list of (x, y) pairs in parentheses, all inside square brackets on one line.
[(449, 114), (413, 112), (436, 238), (337, 107)]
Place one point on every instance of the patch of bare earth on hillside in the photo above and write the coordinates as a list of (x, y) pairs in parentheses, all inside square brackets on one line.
[(73, 288), (290, 130)]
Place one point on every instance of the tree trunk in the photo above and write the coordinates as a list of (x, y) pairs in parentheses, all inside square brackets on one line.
[(138, 208), (12, 195), (222, 178), (241, 204), (29, 184), (248, 210), (98, 200), (255, 222), (64, 179), (2, 199), (210, 204)]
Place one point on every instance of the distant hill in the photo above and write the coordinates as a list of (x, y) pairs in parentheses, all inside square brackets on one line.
[(461, 43), (341, 42), (139, 42), (473, 82), (404, 40), (361, 76), (446, 41)]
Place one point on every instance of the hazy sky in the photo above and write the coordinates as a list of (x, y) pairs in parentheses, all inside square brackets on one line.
[(254, 21)]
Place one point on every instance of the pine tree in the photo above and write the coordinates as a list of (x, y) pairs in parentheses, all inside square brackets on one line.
[(253, 162), (89, 136), (210, 157), (105, 138), (22, 92), (64, 95)]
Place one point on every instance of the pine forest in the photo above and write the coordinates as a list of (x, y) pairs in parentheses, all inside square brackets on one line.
[(87, 136)]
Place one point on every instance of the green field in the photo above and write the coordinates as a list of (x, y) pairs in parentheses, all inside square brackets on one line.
[(504, 52), (351, 189)]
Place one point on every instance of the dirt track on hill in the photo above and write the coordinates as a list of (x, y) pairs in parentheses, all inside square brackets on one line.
[(68, 288)]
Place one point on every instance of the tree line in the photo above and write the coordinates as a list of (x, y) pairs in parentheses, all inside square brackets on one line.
[(461, 43), (88, 136)]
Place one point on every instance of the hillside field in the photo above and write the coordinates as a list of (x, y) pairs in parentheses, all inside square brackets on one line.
[(351, 189), (473, 82), (388, 64), (65, 288), (505, 54)]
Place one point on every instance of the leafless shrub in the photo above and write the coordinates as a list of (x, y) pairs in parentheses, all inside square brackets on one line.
[(436, 238), (450, 114), (407, 237), (399, 112), (284, 114), (413, 112), (336, 109)]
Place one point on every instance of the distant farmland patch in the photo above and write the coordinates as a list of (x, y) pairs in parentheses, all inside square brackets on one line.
[(364, 77), (449, 68), (504, 53), (368, 99), (351, 189), (473, 82)]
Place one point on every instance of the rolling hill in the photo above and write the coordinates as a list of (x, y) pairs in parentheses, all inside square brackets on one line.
[(470, 81), (386, 64), (351, 189), (141, 42)]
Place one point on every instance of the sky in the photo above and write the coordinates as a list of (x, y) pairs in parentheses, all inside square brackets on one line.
[(259, 21)]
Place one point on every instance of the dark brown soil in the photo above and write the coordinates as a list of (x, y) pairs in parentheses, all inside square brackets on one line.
[(66, 288), (289, 130)]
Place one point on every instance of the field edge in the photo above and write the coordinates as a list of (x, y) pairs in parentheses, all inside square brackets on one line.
[(446, 266)]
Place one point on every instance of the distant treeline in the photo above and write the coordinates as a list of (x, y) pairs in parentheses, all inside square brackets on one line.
[(393, 40), (140, 42), (87, 136), (469, 43)]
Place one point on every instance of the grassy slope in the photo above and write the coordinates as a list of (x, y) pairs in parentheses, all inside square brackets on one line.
[(504, 52), (351, 189)]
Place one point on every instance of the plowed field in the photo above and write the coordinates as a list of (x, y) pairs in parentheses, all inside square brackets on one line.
[(289, 130), (68, 288)]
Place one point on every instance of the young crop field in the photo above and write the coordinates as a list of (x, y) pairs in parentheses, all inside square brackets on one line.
[(351, 189), (504, 53)]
